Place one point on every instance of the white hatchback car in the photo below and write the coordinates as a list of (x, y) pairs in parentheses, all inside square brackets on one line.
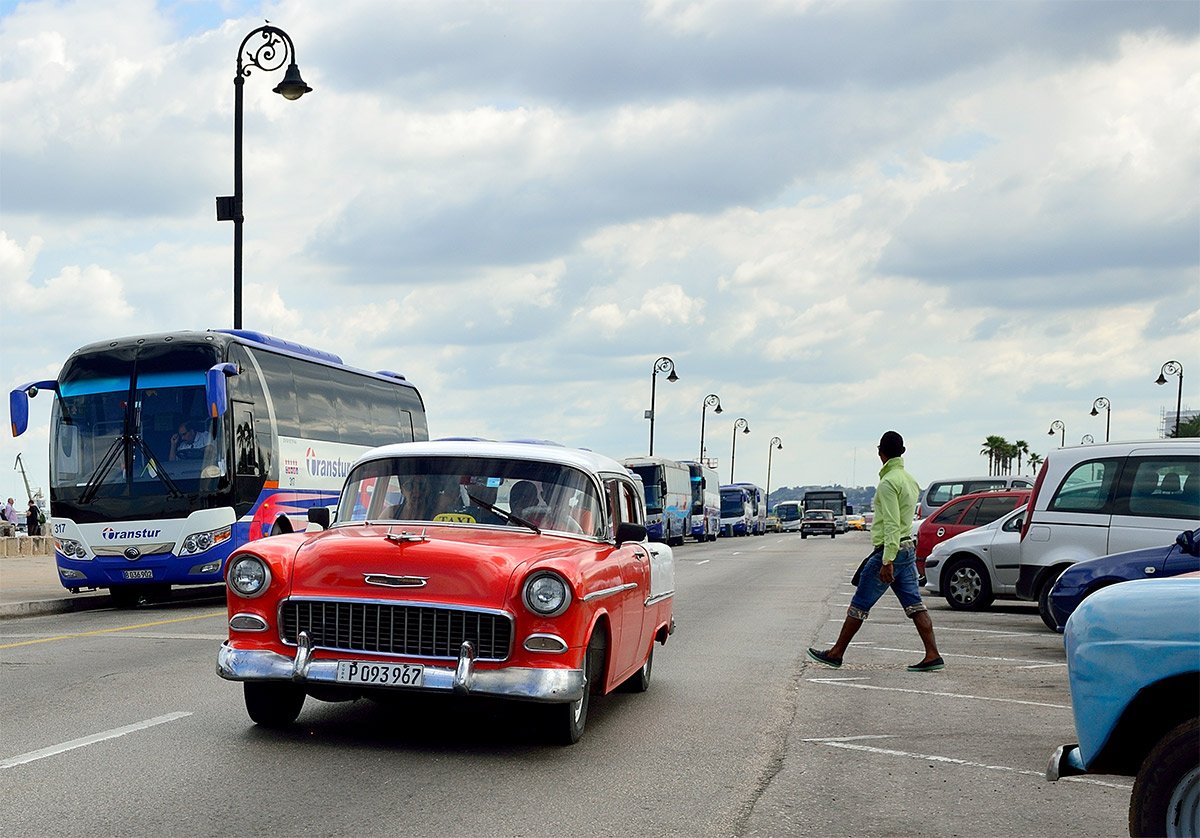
[(974, 567)]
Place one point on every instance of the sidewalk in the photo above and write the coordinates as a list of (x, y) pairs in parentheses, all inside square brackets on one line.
[(29, 585)]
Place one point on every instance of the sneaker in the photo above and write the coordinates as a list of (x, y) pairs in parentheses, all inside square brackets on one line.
[(824, 658), (928, 666)]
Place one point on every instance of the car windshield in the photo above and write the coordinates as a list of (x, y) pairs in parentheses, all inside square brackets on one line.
[(473, 491), (823, 514)]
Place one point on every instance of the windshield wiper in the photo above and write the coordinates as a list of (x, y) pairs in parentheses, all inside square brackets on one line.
[(102, 470), (508, 516)]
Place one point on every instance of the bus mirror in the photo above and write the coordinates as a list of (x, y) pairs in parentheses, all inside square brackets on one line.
[(18, 403), (662, 487), (849, 510), (319, 515), (215, 393)]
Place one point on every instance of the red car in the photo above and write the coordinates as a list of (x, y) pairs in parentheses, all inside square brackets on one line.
[(513, 570), (964, 513)]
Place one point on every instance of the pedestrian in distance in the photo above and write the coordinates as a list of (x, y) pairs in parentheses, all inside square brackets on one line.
[(8, 526), (32, 519), (892, 564)]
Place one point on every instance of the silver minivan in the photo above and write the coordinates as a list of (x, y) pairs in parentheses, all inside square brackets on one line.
[(941, 492), (1095, 500)]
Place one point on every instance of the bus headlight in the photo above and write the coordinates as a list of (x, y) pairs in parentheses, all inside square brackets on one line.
[(201, 541), (249, 576), (72, 549), (547, 594)]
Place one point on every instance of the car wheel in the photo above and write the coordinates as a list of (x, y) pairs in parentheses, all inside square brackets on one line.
[(804, 535), (639, 681), (271, 703), (1166, 792), (967, 586), (833, 535), (567, 721), (1044, 601)]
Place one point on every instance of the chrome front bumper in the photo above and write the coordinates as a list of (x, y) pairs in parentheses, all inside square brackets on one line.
[(522, 683)]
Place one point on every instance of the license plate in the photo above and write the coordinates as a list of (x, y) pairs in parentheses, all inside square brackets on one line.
[(139, 574), (380, 674)]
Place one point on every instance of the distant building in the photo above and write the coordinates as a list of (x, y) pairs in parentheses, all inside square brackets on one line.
[(1166, 422)]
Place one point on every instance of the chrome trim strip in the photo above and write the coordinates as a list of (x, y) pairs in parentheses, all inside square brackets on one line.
[(562, 643), (553, 686), (594, 595), (498, 612), (146, 549), (657, 599), (255, 622), (463, 670), (386, 580)]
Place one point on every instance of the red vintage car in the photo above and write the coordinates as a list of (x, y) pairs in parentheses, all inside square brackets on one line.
[(505, 569)]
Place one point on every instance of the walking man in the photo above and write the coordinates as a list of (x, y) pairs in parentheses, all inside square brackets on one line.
[(893, 563)]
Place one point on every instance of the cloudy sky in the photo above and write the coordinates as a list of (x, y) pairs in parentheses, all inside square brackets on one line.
[(951, 219)]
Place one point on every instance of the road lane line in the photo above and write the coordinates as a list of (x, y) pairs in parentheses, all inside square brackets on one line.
[(706, 561), (837, 683), (850, 746), (55, 750), (98, 632)]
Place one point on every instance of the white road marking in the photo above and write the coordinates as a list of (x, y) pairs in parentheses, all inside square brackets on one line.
[(706, 561), (1035, 664), (849, 746), (55, 750), (939, 694)]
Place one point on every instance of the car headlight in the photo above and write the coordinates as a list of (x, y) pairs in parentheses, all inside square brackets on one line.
[(547, 594), (201, 541), (249, 576)]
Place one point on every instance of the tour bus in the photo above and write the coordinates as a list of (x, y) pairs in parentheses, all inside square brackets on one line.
[(832, 499), (758, 508), (789, 514), (668, 497), (736, 515), (169, 451), (706, 501)]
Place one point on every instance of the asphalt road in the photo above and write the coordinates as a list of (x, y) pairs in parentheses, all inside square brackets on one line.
[(114, 723)]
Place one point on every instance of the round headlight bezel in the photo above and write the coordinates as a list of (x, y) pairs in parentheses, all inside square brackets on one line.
[(537, 602), (247, 561)]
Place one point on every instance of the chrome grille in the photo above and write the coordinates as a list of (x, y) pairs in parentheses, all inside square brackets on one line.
[(395, 629)]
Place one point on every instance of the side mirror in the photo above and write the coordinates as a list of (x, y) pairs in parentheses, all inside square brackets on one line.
[(319, 515), (662, 487), (215, 392), (630, 532)]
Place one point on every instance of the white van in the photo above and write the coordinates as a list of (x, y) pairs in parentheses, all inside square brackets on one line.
[(1095, 500), (941, 492)]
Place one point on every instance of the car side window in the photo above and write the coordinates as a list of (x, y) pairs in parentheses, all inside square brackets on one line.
[(987, 510), (630, 511), (950, 514), (1162, 487), (1014, 524), (1088, 487)]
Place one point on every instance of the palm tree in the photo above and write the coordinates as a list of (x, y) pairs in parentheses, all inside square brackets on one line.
[(1022, 448), (992, 446), (1035, 460)]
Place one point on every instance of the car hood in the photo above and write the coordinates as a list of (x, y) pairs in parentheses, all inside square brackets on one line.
[(1131, 563), (454, 565)]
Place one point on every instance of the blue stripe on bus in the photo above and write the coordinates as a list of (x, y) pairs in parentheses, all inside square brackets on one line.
[(88, 386), (188, 378)]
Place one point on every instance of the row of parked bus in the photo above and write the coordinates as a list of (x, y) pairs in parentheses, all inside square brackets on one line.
[(685, 498)]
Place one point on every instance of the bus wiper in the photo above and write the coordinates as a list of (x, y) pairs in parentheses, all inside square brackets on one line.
[(508, 516), (110, 458), (155, 466)]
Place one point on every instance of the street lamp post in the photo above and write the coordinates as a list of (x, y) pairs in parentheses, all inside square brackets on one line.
[(776, 443), (1173, 368), (661, 365), (1057, 425), (1103, 404), (1088, 439), (270, 55), (713, 401), (744, 427)]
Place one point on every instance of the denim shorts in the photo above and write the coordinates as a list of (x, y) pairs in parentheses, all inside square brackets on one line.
[(904, 583)]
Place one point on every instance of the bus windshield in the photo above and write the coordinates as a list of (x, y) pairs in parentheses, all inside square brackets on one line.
[(124, 432), (732, 503), (652, 478), (788, 511)]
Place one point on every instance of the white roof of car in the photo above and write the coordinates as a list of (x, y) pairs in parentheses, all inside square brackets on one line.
[(545, 452)]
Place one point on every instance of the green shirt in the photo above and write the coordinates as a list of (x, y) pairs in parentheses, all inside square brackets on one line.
[(895, 499)]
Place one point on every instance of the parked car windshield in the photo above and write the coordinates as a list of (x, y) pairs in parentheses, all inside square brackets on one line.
[(473, 490)]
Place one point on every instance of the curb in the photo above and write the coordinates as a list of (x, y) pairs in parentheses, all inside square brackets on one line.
[(93, 601)]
